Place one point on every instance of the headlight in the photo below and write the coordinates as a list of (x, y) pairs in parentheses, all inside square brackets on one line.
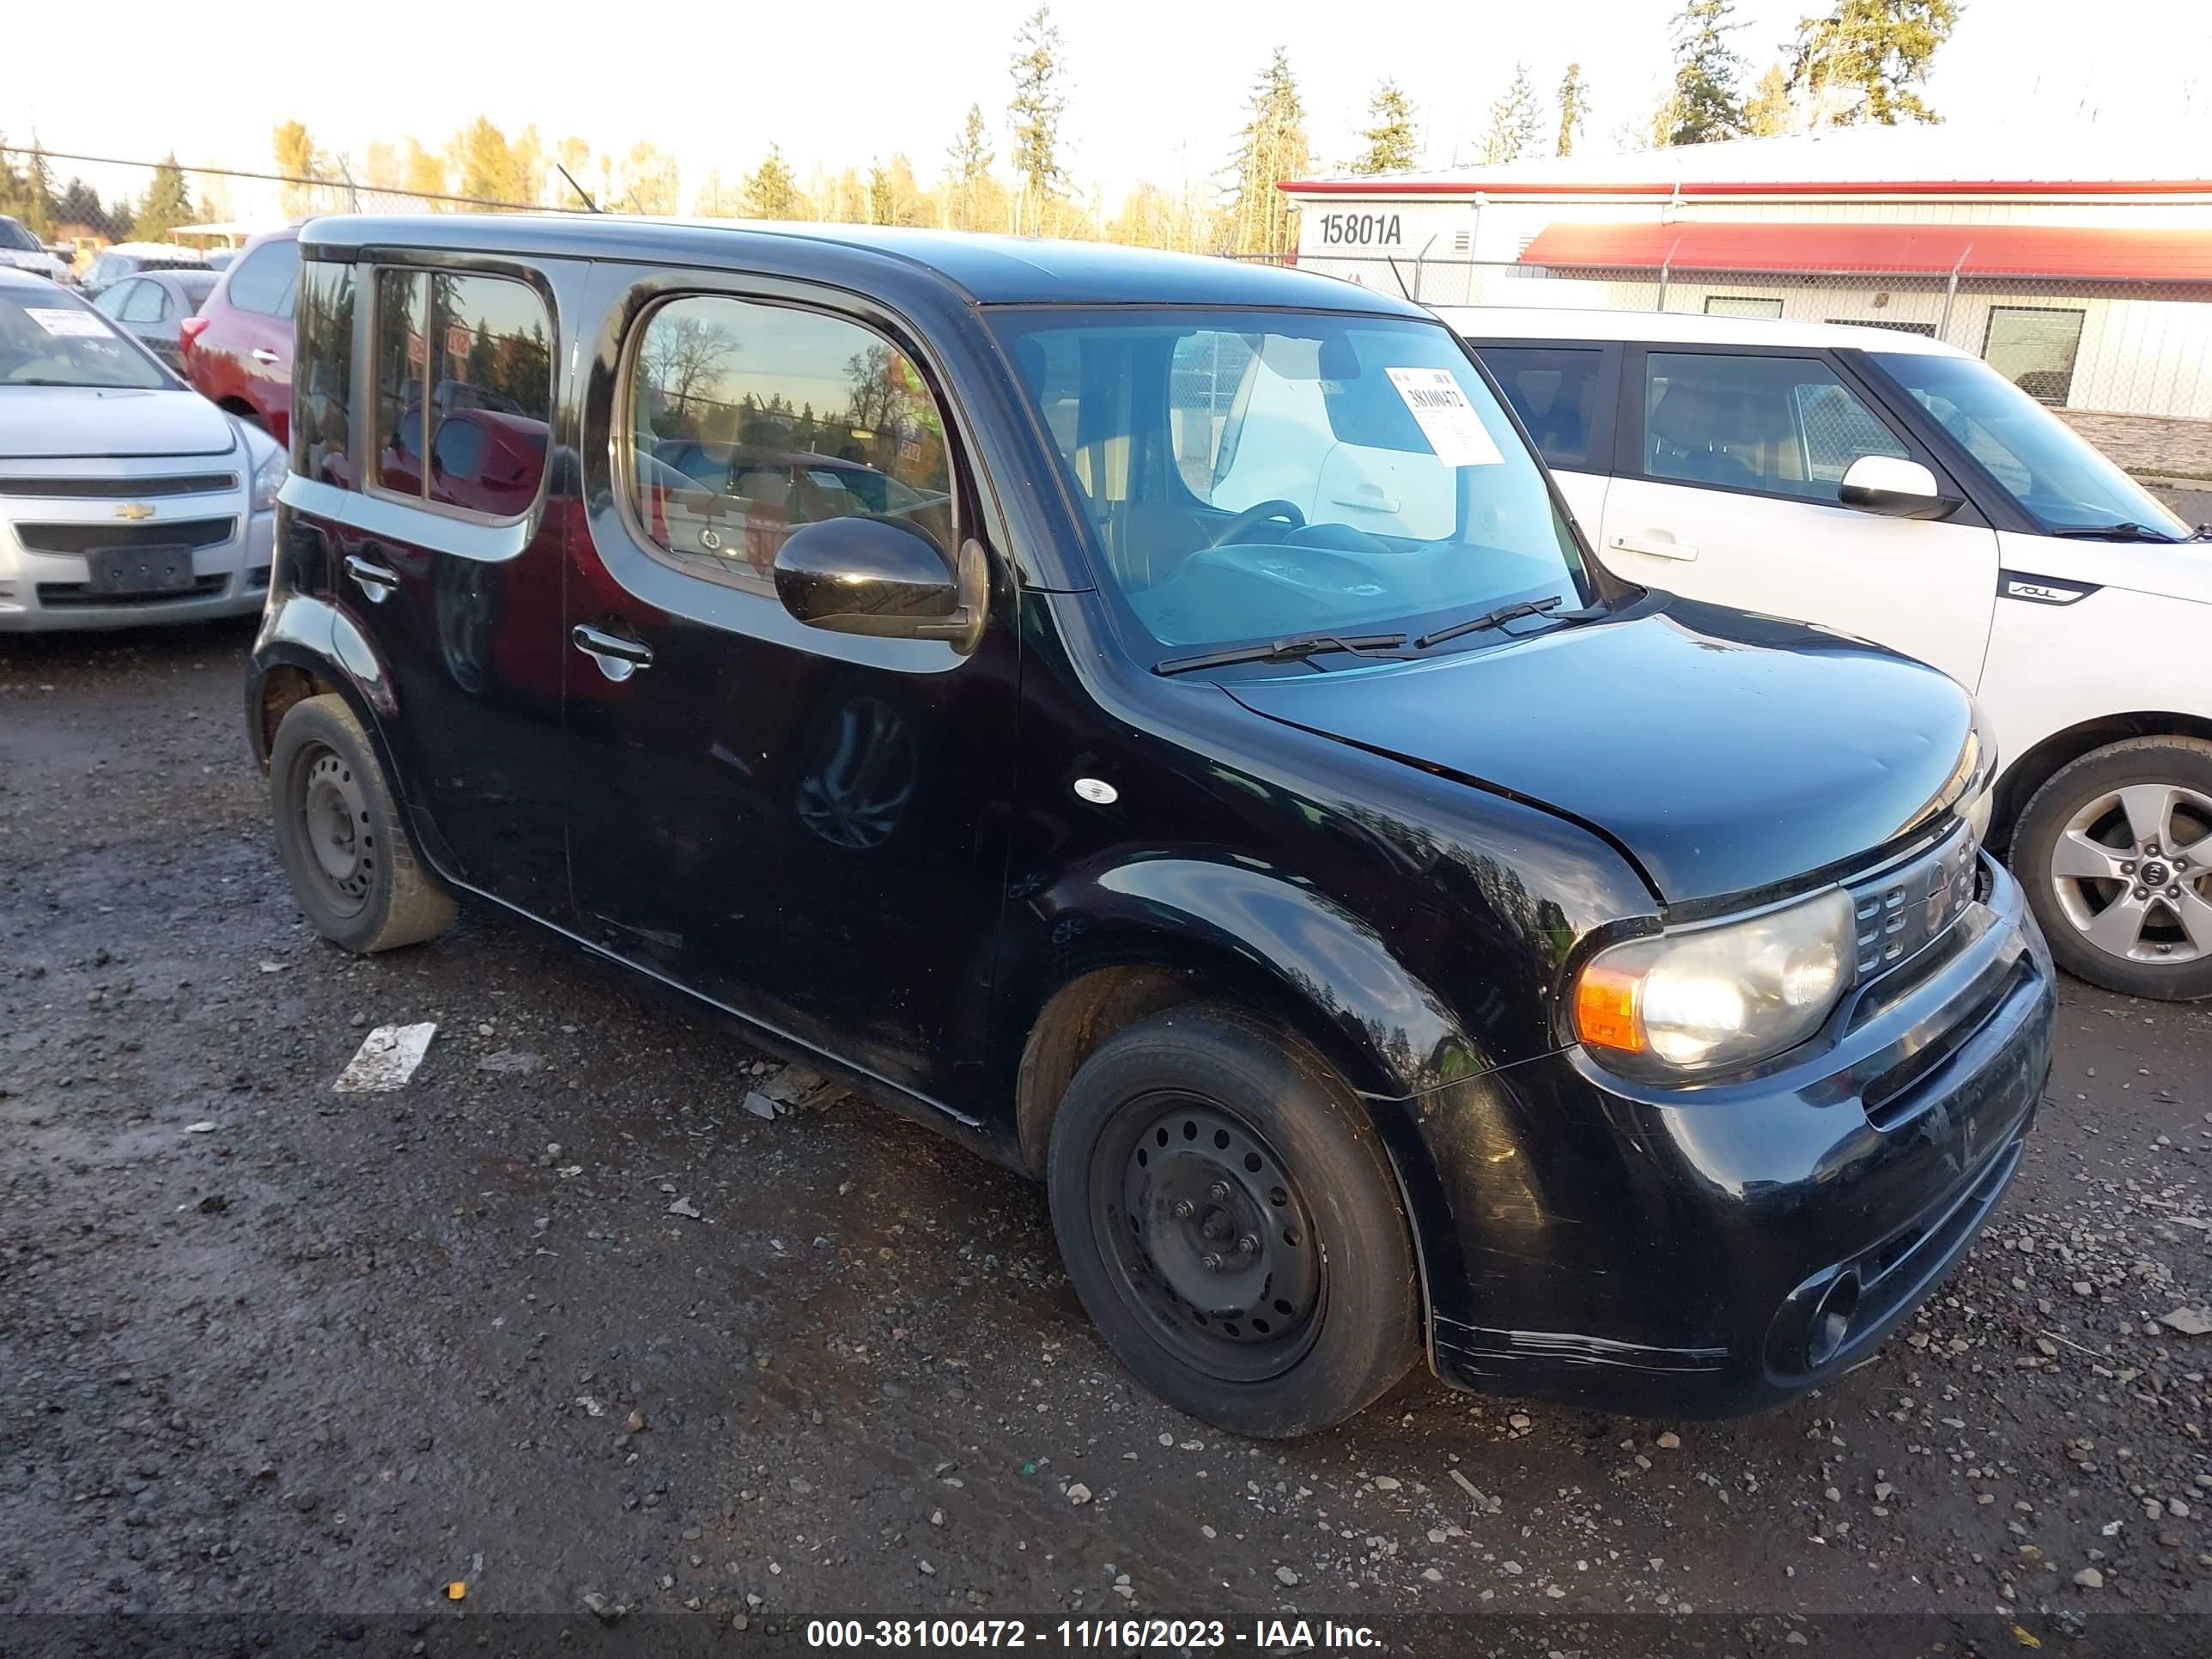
[(268, 479), (1707, 998)]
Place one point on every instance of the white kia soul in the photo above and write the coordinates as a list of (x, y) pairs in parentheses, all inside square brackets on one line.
[(1885, 485)]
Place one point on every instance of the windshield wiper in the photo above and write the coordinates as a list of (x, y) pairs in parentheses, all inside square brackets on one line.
[(2125, 531), (1285, 650), (1506, 613)]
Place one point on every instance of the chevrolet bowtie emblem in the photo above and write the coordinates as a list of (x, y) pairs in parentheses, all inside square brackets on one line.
[(135, 510)]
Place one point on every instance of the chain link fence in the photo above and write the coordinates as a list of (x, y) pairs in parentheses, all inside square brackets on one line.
[(2128, 363), (75, 208)]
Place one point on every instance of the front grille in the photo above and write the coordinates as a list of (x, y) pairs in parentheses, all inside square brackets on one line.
[(87, 538), (191, 483), (62, 596), (1898, 912)]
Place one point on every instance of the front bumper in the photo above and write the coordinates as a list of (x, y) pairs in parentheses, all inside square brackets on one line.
[(1713, 1250), (43, 591)]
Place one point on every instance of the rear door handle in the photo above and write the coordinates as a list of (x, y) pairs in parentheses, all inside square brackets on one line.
[(263, 355), (1657, 548), (617, 658), (371, 578)]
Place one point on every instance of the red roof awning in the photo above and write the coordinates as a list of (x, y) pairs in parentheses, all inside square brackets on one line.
[(2080, 252)]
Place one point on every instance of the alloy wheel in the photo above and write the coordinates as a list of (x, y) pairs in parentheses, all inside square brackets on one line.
[(2130, 869)]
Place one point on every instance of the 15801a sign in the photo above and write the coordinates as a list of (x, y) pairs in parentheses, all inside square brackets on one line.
[(1361, 229)]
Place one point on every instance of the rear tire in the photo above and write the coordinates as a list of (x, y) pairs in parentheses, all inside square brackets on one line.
[(2115, 853), (1232, 1225), (353, 868)]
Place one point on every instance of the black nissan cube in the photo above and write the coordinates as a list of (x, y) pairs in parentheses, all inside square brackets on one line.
[(1153, 720)]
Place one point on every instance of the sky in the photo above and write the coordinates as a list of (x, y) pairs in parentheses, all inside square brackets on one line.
[(1156, 87)]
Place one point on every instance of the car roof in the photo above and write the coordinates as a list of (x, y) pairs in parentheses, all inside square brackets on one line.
[(17, 276), (1685, 328), (985, 270)]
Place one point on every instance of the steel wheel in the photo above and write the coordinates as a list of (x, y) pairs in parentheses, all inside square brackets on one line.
[(2129, 870), (1209, 1238), (333, 818)]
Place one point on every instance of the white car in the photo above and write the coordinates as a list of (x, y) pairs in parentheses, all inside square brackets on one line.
[(21, 250), (125, 497), (1884, 485)]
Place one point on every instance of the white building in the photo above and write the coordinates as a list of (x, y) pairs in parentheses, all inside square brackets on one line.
[(2078, 261)]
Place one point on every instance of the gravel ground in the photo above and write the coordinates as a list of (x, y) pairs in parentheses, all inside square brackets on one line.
[(270, 1351)]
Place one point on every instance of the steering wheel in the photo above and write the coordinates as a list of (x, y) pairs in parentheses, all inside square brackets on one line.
[(1257, 515)]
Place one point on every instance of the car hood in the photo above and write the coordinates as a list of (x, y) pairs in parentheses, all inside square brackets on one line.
[(48, 422), (1722, 752)]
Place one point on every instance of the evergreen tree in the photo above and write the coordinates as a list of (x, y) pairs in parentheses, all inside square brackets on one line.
[(1515, 123), (969, 169), (1705, 105), (1271, 148), (1040, 99), (770, 191), (1867, 60), (1574, 108), (166, 204), (1391, 141)]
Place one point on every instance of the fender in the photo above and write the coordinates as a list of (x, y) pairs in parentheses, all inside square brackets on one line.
[(316, 637), (1318, 955)]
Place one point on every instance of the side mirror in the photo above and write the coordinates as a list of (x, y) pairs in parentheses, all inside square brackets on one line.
[(1894, 488), (857, 576)]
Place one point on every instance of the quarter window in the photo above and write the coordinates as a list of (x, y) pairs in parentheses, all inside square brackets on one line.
[(464, 390), (1555, 394), (747, 420), (264, 282), (322, 403), (1786, 426)]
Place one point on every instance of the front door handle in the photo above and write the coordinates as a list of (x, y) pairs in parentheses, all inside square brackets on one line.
[(1658, 545), (371, 578), (617, 658), (263, 355)]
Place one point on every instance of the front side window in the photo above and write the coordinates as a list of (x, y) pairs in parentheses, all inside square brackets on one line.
[(1554, 392), (111, 302), (2061, 480), (463, 389), (747, 420), (1248, 475), (263, 282), (1785, 426), (50, 338), (322, 374)]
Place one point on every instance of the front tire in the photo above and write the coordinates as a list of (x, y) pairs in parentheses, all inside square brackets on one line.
[(2115, 853), (353, 869), (1232, 1225)]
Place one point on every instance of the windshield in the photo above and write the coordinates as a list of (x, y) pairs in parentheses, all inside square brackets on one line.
[(12, 235), (1250, 476), (2051, 470), (53, 339)]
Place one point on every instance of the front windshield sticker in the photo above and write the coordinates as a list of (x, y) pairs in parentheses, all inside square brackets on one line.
[(67, 321), (1446, 420)]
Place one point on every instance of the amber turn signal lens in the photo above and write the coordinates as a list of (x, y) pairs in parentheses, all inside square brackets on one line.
[(1605, 1009)]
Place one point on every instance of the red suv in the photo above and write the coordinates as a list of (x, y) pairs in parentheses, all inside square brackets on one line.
[(238, 351)]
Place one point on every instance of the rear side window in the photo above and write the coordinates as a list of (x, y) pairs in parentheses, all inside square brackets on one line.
[(322, 375), (1554, 393), (464, 390), (264, 282), (747, 419), (1783, 426)]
